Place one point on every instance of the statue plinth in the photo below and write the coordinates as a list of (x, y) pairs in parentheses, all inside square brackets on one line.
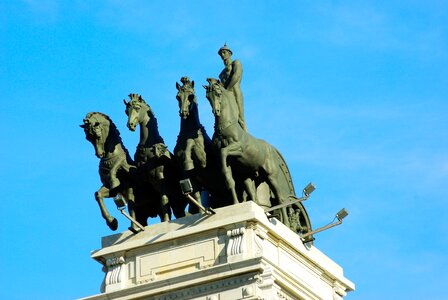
[(238, 253)]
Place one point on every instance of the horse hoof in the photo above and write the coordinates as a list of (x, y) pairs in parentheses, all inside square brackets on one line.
[(113, 224)]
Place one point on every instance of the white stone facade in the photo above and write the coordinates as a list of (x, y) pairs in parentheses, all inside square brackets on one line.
[(236, 254)]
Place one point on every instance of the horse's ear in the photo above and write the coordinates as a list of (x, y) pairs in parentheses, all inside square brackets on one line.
[(177, 86), (192, 84), (125, 103)]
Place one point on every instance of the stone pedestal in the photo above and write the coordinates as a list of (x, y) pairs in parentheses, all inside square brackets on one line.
[(236, 254)]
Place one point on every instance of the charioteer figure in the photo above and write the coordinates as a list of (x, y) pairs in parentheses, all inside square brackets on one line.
[(231, 77)]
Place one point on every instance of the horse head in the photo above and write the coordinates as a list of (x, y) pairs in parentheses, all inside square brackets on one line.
[(136, 110), (185, 96), (213, 94), (96, 128)]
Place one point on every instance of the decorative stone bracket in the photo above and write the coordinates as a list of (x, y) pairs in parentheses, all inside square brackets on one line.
[(236, 242), (115, 274)]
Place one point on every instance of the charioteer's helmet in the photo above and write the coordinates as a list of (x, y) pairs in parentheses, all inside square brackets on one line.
[(224, 48)]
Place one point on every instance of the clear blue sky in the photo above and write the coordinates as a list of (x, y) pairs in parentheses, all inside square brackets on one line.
[(353, 93)]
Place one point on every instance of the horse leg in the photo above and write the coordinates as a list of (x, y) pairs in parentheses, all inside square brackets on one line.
[(129, 195), (188, 161), (279, 196), (272, 174), (199, 151), (227, 170), (250, 189), (165, 210), (102, 193), (164, 203), (165, 213)]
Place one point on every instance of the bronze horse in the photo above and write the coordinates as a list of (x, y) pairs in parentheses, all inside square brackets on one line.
[(155, 164), (194, 149), (252, 161), (115, 170)]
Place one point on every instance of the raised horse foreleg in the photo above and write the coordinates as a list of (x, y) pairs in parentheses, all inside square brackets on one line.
[(102, 193)]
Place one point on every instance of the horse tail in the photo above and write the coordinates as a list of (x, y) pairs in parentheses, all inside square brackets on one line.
[(285, 181)]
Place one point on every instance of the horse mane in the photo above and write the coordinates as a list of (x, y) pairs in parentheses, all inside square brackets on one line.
[(188, 85), (136, 98), (215, 85), (112, 127)]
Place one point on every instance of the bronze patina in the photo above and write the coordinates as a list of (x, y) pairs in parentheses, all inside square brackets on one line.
[(231, 77), (193, 149), (248, 161), (232, 167), (155, 163), (115, 169)]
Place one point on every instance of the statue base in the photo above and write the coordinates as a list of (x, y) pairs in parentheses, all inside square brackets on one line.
[(238, 253)]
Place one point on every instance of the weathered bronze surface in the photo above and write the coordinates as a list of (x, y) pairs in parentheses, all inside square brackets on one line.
[(116, 170), (232, 167), (231, 77), (248, 161), (155, 163), (194, 150)]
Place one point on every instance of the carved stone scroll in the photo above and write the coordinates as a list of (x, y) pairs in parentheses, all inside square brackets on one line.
[(237, 242)]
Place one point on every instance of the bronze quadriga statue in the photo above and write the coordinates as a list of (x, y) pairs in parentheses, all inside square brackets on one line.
[(193, 150), (250, 162), (232, 167), (116, 168), (155, 164)]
